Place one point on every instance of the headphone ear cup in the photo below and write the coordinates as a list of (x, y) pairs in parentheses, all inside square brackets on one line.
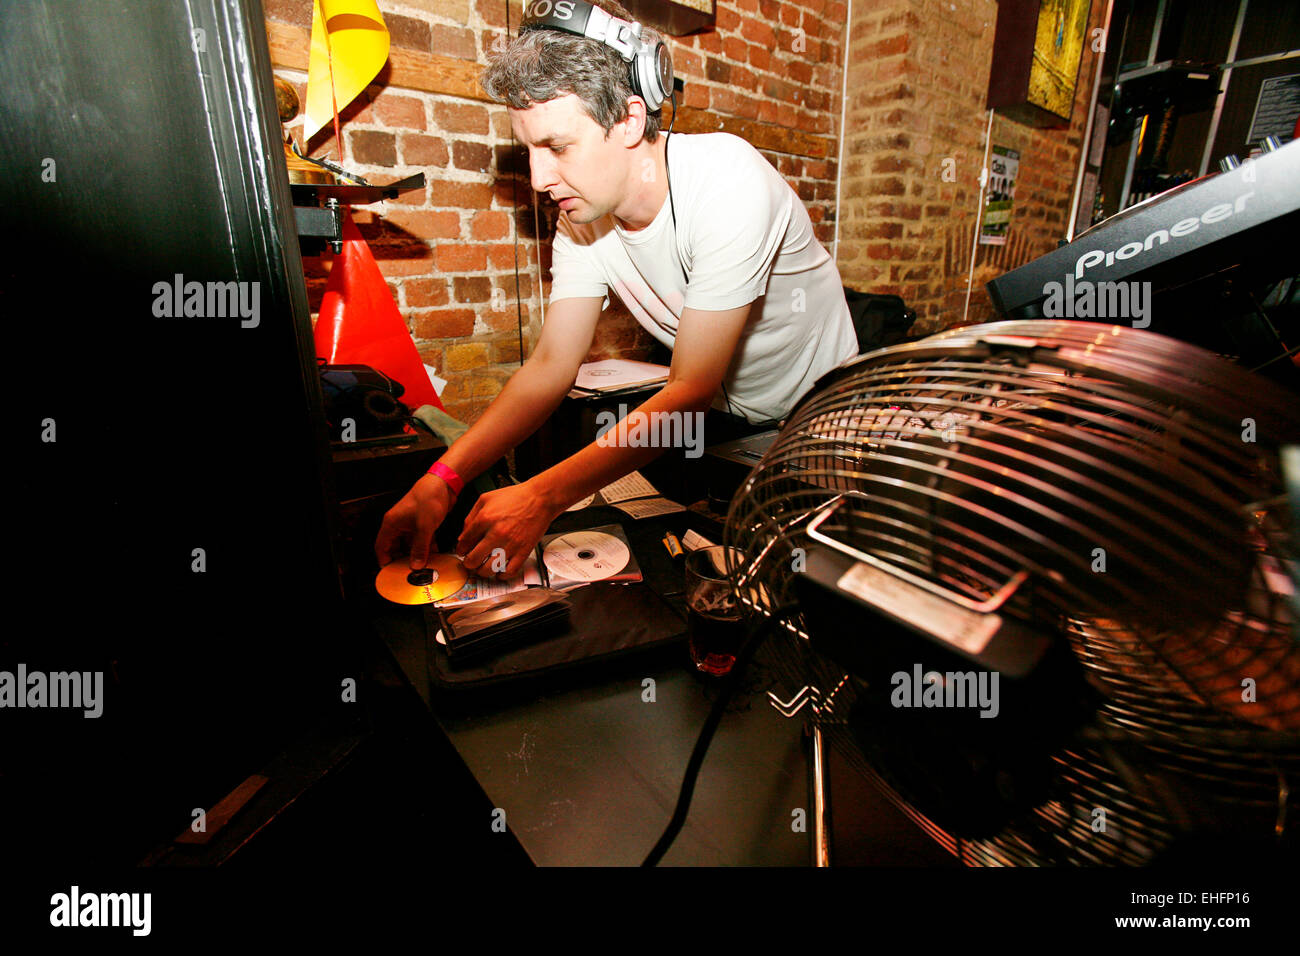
[(642, 82), (663, 64), (634, 78), (650, 67)]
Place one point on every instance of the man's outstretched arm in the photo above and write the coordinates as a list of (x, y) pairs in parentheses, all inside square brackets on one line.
[(514, 519), (527, 400)]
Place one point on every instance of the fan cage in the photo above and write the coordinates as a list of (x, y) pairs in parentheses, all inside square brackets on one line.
[(1114, 467)]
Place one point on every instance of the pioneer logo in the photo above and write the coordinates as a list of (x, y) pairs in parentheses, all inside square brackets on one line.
[(1183, 227)]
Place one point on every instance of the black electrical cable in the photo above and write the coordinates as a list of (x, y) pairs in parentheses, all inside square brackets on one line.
[(728, 690), (686, 280), (668, 173)]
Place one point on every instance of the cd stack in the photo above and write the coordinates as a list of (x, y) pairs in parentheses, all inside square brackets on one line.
[(576, 558), (487, 626)]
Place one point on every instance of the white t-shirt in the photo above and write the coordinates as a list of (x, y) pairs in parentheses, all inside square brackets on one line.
[(742, 235)]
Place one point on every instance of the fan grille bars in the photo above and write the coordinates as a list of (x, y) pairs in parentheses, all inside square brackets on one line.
[(1135, 479)]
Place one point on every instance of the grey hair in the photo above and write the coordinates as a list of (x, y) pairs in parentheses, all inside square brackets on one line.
[(540, 65)]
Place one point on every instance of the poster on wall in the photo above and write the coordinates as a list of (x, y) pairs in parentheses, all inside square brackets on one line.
[(1004, 164), (1276, 109)]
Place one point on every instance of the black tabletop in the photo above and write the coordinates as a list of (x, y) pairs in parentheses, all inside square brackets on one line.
[(587, 766), (588, 772)]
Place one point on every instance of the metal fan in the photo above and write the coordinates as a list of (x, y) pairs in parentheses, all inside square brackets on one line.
[(1088, 520)]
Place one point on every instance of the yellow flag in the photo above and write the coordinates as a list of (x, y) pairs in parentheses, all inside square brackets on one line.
[(350, 40)]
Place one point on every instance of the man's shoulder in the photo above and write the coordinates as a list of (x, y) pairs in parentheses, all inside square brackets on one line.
[(722, 150), (722, 169), (730, 186)]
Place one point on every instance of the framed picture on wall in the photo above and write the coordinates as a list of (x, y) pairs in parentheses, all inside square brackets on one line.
[(1037, 51)]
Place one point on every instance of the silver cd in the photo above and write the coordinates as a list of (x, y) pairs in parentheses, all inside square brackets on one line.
[(586, 556)]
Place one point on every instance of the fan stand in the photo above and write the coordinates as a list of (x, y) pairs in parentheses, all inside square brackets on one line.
[(815, 742), (821, 849)]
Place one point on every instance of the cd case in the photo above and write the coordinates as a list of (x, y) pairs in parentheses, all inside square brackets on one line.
[(484, 627), (571, 559)]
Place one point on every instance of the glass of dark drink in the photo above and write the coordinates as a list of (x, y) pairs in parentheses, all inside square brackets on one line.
[(713, 615)]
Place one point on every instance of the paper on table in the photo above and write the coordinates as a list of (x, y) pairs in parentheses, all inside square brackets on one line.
[(618, 373), (649, 507), (693, 542), (631, 485), (476, 588)]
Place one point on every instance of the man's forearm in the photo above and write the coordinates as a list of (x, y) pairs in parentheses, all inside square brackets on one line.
[(607, 460), (526, 401)]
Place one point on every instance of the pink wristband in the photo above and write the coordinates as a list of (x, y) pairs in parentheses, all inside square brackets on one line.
[(454, 481)]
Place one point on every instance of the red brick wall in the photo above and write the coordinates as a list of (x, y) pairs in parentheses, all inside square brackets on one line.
[(449, 252), (771, 71), (778, 63), (918, 78)]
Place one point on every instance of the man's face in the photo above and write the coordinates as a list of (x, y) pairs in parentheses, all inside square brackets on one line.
[(570, 157)]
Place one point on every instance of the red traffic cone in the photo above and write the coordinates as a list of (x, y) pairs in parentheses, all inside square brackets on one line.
[(359, 323)]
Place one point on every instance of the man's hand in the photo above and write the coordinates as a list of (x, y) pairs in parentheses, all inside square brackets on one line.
[(503, 528), (413, 520), (529, 397)]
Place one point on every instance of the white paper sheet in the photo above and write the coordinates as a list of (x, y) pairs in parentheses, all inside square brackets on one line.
[(693, 542), (631, 485), (649, 507), (476, 588)]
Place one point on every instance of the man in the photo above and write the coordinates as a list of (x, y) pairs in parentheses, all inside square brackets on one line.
[(708, 247)]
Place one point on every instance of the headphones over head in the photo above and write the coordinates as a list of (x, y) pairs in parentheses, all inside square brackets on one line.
[(650, 68)]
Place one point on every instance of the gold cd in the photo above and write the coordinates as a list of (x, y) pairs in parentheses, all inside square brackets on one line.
[(440, 578)]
